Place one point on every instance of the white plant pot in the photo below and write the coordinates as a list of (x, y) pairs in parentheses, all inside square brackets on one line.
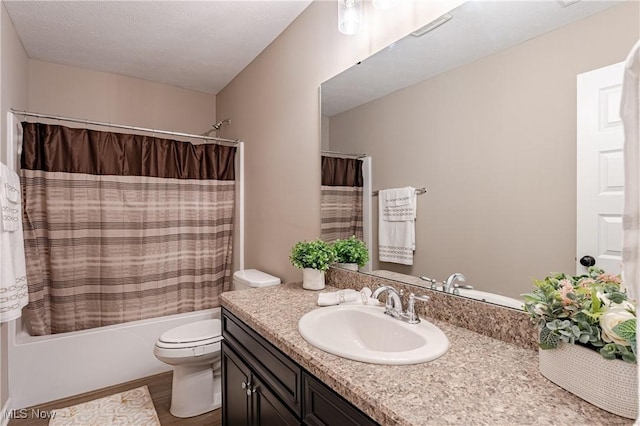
[(611, 384), (349, 266), (312, 279)]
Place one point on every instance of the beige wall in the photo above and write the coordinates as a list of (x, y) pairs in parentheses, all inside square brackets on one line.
[(324, 133), (81, 93), (13, 94), (274, 106), (495, 144)]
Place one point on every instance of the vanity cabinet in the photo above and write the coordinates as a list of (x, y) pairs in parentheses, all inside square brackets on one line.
[(263, 386), (247, 400), (322, 406)]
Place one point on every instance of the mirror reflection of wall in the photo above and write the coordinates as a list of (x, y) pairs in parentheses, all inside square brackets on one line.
[(494, 143)]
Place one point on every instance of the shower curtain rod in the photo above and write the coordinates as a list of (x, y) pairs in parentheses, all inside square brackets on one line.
[(342, 154), (222, 141)]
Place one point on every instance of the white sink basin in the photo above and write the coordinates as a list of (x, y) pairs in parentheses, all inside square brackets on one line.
[(365, 333)]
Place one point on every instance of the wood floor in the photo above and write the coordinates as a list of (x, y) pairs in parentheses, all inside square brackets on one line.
[(159, 388)]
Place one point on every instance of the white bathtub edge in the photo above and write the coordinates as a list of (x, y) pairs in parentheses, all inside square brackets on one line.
[(44, 369)]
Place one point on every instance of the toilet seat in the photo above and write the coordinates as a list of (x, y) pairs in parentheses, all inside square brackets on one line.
[(199, 333)]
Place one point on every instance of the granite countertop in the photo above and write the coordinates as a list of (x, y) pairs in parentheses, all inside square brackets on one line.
[(479, 381)]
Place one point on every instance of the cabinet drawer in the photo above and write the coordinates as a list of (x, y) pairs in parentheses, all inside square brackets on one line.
[(323, 406), (280, 373)]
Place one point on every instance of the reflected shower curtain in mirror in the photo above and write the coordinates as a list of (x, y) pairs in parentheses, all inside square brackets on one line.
[(341, 198), (122, 227)]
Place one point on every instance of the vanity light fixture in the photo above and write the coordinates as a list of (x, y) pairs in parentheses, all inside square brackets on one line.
[(432, 25), (384, 4), (349, 16)]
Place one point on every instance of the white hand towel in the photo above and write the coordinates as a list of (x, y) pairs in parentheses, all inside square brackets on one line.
[(396, 229), (347, 297), (13, 277), (9, 198), (397, 196), (337, 297), (398, 204)]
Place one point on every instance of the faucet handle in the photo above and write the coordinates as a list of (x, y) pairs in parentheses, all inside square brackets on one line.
[(411, 316), (467, 286), (457, 287), (433, 283)]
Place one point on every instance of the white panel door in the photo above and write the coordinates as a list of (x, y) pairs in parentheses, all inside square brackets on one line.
[(600, 172)]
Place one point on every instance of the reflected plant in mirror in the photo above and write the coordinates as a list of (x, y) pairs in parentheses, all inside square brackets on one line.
[(351, 251), (494, 112)]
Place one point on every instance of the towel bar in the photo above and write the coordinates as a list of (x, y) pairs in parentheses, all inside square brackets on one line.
[(419, 191)]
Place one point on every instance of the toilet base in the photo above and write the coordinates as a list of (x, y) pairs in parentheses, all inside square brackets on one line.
[(195, 390)]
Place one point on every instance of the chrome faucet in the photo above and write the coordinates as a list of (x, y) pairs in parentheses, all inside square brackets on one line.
[(449, 284), (393, 306)]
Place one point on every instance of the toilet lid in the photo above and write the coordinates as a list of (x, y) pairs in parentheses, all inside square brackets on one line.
[(192, 332)]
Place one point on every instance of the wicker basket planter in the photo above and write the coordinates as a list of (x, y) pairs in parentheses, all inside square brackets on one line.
[(608, 384)]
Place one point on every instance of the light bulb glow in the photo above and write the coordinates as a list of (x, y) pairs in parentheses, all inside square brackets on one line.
[(349, 16), (384, 4)]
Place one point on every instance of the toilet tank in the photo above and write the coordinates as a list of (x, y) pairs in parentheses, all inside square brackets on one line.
[(252, 278)]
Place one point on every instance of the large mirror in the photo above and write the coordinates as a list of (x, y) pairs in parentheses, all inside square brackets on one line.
[(481, 110)]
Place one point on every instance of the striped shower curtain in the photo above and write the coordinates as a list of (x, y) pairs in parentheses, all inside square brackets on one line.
[(341, 198), (122, 227)]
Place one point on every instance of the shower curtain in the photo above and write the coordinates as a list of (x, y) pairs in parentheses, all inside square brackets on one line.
[(122, 227), (341, 198)]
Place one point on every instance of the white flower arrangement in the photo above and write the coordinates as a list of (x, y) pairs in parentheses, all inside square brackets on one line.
[(590, 310)]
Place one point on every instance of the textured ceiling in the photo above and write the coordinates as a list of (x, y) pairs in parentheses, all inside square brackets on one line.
[(477, 29), (199, 45)]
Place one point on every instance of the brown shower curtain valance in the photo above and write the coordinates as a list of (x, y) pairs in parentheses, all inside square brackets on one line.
[(341, 171), (122, 227), (341, 198), (53, 148)]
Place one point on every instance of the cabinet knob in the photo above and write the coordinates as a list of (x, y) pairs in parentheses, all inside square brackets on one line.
[(248, 388)]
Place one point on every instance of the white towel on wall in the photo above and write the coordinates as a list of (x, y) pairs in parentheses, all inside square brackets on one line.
[(398, 204), (9, 199), (396, 225), (13, 276), (630, 114), (397, 196)]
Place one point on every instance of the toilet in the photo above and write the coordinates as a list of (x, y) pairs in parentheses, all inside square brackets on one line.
[(252, 278), (194, 352)]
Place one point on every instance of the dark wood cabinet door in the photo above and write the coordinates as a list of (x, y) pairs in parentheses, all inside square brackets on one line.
[(267, 409), (324, 407), (281, 374), (236, 404)]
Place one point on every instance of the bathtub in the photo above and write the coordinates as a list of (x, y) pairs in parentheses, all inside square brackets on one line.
[(46, 368)]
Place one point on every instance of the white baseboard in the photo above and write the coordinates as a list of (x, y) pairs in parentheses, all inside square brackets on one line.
[(4, 413)]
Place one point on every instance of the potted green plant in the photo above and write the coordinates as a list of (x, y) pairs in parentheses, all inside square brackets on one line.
[(351, 253), (587, 337), (314, 258)]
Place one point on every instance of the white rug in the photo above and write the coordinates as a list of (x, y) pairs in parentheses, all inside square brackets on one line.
[(133, 407)]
